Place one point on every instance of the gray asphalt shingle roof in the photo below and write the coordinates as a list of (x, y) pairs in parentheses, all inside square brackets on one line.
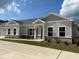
[(49, 17)]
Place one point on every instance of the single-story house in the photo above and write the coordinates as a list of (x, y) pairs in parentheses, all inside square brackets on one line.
[(51, 26)]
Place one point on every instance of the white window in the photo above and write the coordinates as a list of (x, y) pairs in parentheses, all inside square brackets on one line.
[(31, 32), (14, 31), (50, 31), (9, 31), (61, 31)]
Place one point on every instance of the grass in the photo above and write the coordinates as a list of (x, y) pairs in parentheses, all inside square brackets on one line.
[(48, 45)]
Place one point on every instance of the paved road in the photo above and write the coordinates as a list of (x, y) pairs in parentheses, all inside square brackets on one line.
[(9, 50)]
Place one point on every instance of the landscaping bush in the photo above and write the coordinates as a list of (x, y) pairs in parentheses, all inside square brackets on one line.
[(48, 39), (77, 42), (66, 43), (58, 41)]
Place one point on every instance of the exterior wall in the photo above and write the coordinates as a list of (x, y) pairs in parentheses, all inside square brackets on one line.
[(2, 32), (24, 29), (76, 26), (12, 25), (45, 29), (74, 29), (56, 25), (77, 30), (12, 31)]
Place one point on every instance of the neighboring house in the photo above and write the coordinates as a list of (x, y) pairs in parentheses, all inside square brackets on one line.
[(52, 26)]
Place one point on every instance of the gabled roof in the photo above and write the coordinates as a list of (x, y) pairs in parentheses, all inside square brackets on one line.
[(28, 21), (2, 23), (38, 20), (49, 17), (55, 17)]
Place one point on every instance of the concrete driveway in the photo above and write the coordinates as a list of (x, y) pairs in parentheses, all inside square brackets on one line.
[(9, 50)]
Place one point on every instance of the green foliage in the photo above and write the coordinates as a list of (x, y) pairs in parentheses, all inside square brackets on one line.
[(58, 41), (77, 41), (66, 43)]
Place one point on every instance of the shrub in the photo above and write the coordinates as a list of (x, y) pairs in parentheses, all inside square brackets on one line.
[(58, 41), (66, 43), (49, 40), (77, 42)]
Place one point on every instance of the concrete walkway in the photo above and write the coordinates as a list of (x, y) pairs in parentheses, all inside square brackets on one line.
[(9, 50)]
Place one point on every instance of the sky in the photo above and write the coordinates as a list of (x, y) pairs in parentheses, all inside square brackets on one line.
[(70, 8), (27, 9)]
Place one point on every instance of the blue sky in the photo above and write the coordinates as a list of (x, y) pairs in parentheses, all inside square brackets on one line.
[(25, 9)]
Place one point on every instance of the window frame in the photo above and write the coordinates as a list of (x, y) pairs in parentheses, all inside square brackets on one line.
[(14, 31), (51, 31), (31, 31), (61, 31), (78, 28), (9, 31)]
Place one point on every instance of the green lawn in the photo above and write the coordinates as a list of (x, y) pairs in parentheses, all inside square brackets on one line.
[(48, 45)]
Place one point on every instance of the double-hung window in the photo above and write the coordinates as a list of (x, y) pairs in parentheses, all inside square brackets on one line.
[(50, 31), (14, 31), (9, 31), (31, 32), (61, 31)]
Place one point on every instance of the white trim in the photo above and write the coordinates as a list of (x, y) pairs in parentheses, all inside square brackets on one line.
[(31, 31), (58, 30), (31, 24), (38, 24), (30, 27), (38, 20), (51, 26), (13, 30), (43, 32), (11, 21), (34, 32), (57, 21), (53, 30), (9, 31)]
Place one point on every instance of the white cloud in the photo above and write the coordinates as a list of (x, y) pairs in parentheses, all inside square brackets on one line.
[(14, 7), (1, 11), (70, 8), (26, 2), (18, 11), (30, 1), (9, 5)]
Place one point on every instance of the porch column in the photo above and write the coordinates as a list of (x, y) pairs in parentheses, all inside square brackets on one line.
[(34, 31), (43, 32)]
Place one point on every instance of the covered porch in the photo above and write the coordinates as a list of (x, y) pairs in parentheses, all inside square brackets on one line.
[(37, 32)]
